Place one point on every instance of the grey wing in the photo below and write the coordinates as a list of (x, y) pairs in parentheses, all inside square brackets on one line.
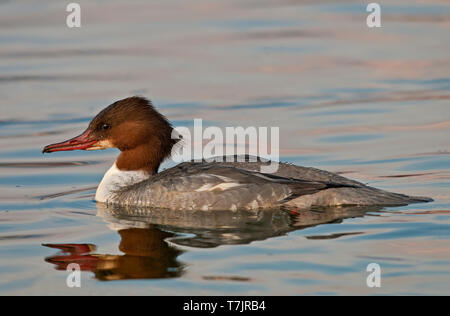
[(292, 171), (240, 185), (206, 186), (342, 191)]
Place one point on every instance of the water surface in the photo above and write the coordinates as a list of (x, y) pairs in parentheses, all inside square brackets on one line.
[(370, 104)]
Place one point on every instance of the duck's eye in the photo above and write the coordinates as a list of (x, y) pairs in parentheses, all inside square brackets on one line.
[(105, 127)]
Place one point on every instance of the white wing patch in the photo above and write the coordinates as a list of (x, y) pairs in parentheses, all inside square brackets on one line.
[(221, 186)]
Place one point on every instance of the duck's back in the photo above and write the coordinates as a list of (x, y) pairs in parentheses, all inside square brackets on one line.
[(240, 185)]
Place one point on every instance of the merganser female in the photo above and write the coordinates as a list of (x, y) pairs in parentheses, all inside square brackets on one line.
[(144, 137)]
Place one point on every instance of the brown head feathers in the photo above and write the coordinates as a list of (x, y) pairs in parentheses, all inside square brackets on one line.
[(142, 134)]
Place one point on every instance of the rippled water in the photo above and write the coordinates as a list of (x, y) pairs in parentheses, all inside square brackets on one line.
[(371, 104)]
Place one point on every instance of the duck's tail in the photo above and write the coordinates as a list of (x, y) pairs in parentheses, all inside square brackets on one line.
[(361, 196)]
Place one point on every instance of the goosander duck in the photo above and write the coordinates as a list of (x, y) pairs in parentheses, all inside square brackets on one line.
[(143, 136)]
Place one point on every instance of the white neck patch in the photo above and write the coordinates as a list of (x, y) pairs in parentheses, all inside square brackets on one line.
[(114, 179)]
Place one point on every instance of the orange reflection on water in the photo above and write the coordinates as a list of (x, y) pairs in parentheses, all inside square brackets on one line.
[(146, 256)]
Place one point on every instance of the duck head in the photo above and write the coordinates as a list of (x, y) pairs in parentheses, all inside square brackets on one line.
[(141, 133)]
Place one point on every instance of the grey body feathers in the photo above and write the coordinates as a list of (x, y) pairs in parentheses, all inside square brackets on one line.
[(240, 185)]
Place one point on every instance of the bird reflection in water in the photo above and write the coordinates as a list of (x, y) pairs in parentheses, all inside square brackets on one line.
[(146, 256), (150, 237)]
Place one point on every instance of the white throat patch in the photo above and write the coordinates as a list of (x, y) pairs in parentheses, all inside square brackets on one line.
[(115, 179)]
